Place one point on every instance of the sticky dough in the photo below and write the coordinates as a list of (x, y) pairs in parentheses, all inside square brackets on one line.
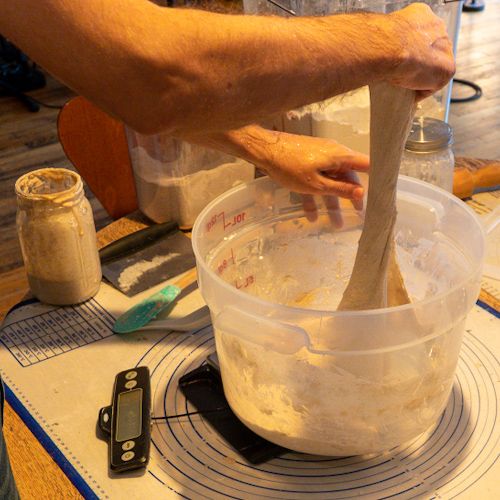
[(376, 280)]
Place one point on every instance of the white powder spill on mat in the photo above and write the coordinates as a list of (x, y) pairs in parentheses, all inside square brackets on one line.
[(130, 276)]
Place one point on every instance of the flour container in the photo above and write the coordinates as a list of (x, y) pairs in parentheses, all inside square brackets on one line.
[(175, 179), (315, 380)]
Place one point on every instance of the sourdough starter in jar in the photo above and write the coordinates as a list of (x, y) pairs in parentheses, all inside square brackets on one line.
[(57, 235)]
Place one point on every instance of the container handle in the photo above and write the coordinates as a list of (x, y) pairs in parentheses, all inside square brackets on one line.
[(490, 223), (435, 207), (265, 332)]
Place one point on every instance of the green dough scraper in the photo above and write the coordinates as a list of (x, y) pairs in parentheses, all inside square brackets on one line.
[(141, 314)]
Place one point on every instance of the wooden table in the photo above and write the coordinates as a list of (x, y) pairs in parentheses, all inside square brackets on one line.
[(37, 475)]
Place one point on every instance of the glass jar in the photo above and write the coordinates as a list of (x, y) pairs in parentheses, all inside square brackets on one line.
[(56, 230), (428, 155)]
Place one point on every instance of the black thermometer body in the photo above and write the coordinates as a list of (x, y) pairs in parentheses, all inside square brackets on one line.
[(127, 422)]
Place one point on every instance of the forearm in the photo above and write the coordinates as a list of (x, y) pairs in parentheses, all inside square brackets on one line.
[(171, 69), (309, 165), (252, 143), (276, 64)]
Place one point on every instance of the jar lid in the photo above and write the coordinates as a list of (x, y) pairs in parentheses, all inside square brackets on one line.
[(428, 135)]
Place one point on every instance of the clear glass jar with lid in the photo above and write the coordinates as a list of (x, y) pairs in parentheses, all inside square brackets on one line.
[(428, 155), (57, 235)]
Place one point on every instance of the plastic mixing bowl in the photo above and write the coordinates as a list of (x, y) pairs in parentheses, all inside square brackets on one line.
[(312, 379)]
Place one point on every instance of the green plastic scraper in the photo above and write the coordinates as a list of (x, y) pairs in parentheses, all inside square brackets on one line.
[(141, 314)]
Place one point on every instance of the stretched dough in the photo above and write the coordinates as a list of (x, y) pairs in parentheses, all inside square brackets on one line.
[(376, 280)]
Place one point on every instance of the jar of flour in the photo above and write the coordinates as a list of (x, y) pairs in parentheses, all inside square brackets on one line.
[(57, 235)]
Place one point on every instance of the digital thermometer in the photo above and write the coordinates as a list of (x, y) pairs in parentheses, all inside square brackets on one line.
[(127, 421)]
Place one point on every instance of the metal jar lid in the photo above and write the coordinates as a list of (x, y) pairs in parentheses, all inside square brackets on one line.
[(428, 135)]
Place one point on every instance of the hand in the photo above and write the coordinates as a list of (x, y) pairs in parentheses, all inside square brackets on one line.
[(315, 166), (425, 62), (307, 165)]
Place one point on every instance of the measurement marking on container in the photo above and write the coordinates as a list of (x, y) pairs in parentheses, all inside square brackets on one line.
[(213, 220), (245, 282), (225, 263), (237, 219), (232, 221)]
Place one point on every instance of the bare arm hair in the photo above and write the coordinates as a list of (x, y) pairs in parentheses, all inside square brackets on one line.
[(187, 72)]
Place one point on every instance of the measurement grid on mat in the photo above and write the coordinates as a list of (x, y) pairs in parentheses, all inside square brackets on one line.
[(55, 332)]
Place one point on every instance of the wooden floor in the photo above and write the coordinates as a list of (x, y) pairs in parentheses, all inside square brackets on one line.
[(29, 140), (476, 124)]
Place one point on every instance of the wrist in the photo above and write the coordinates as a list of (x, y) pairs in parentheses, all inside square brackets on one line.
[(251, 143), (396, 31), (254, 144)]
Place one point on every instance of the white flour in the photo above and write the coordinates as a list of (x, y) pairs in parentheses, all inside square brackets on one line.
[(337, 406), (346, 118), (131, 275), (183, 198)]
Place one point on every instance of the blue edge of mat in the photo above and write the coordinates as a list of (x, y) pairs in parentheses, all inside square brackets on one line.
[(59, 457)]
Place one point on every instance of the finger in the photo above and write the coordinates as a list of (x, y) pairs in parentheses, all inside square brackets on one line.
[(333, 207), (423, 94), (342, 185), (310, 208), (357, 203), (355, 161)]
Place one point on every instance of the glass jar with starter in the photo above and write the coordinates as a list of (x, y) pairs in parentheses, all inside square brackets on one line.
[(428, 155), (57, 235)]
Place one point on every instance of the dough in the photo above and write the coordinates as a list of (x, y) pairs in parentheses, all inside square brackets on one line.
[(376, 280)]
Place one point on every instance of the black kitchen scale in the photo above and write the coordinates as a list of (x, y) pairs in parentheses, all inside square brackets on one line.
[(202, 387)]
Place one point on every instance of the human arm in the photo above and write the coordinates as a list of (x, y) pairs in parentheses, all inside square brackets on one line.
[(307, 165), (186, 71)]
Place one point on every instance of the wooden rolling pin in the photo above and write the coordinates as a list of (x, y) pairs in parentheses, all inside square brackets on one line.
[(472, 174)]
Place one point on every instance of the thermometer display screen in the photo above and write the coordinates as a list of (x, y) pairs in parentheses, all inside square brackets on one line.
[(129, 417)]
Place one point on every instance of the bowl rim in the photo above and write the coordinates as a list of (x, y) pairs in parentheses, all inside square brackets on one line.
[(252, 299)]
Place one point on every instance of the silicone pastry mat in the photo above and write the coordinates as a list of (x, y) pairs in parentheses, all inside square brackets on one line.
[(60, 370)]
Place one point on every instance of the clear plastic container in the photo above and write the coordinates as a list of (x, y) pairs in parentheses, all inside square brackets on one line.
[(346, 118), (175, 180), (315, 380)]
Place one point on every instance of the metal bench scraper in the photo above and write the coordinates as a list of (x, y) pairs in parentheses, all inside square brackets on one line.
[(146, 258)]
